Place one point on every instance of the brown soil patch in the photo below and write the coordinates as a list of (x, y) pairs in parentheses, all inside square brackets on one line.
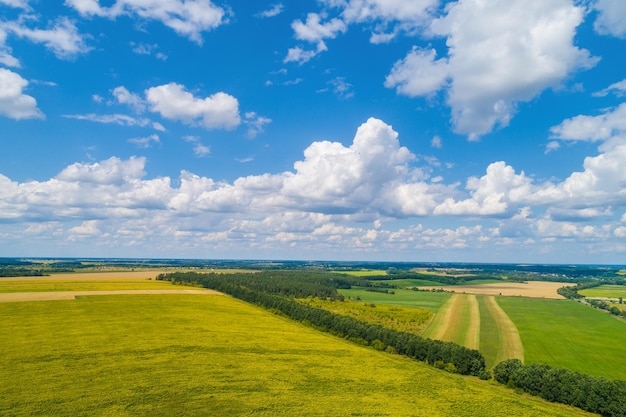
[(533, 289), (71, 295), (92, 276)]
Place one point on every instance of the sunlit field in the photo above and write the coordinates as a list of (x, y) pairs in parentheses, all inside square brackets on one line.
[(198, 355)]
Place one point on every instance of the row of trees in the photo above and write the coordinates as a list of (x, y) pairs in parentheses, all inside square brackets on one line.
[(597, 395), (446, 355)]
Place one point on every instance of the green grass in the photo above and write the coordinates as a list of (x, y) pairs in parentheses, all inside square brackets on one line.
[(404, 319), (406, 298), (408, 283), (197, 355), (608, 291), (489, 334), (567, 334)]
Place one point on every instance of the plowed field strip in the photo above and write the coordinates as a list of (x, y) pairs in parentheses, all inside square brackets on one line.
[(510, 342), (71, 295)]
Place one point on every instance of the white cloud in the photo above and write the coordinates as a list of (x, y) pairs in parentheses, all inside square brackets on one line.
[(110, 171), (387, 10), (313, 30), (418, 74), (187, 18), (618, 88), (341, 88), (13, 102), (145, 142), (436, 142), (323, 203), (172, 101), (301, 56), (20, 4), (199, 149), (491, 194), (256, 124), (124, 96), (62, 38), (500, 53), (592, 128), (88, 228), (120, 119), (611, 18), (148, 49), (5, 52), (275, 10)]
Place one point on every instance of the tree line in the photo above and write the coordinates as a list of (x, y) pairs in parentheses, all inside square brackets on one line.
[(445, 355), (597, 395)]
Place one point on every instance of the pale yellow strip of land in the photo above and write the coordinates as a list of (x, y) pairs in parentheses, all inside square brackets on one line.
[(511, 346), (71, 295)]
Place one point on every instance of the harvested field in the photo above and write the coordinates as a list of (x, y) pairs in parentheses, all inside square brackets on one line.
[(71, 295), (532, 289)]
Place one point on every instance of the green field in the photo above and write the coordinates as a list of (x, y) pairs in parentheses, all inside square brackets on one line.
[(409, 283), (566, 334), (363, 273), (406, 298), (608, 291), (199, 355)]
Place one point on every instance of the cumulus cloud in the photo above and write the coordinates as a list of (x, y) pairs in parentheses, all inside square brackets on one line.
[(187, 18), (124, 96), (13, 102), (592, 128), (418, 74), (173, 101), (611, 18), (491, 194), (313, 30), (499, 53), (326, 201), (386, 17)]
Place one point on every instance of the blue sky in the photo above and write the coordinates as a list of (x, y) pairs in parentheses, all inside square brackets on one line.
[(415, 130)]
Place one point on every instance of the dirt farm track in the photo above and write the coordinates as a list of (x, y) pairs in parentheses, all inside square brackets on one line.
[(533, 289)]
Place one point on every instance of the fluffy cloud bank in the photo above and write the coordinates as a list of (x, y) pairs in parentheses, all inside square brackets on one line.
[(359, 195), (499, 53)]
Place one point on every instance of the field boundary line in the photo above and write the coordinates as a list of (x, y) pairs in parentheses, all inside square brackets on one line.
[(511, 346)]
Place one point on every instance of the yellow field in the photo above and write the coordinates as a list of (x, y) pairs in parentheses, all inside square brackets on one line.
[(533, 289), (95, 281)]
